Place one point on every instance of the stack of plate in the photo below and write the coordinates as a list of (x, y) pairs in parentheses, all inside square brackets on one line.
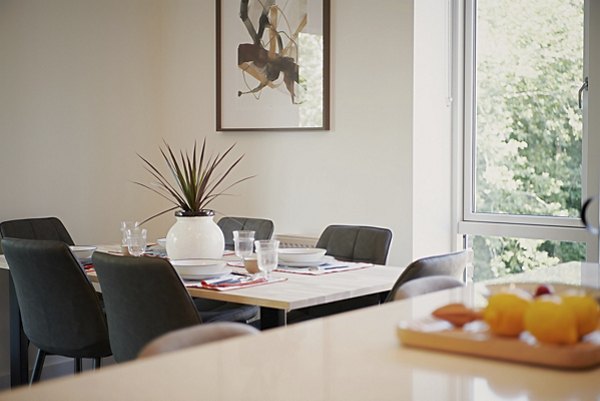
[(302, 257), (200, 269), (82, 252)]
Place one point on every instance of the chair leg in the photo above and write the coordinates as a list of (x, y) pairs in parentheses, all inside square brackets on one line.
[(77, 365), (37, 367), (97, 363)]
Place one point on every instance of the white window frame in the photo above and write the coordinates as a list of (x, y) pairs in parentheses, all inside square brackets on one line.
[(504, 225)]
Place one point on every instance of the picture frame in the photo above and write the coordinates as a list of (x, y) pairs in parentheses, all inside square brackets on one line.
[(272, 67)]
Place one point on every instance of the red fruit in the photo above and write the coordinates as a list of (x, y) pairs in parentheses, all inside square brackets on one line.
[(543, 290)]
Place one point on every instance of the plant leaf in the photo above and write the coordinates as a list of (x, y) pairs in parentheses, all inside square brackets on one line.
[(194, 180)]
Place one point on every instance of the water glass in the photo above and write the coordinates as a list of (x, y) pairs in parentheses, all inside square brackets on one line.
[(267, 255), (136, 241), (126, 225), (243, 241)]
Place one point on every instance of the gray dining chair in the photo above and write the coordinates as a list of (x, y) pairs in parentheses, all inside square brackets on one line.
[(60, 311), (47, 228), (144, 298), (263, 228), (450, 264), (356, 243), (195, 335), (352, 243), (425, 285)]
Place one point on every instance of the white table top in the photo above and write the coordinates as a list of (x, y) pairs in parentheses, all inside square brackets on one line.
[(351, 356), (299, 291)]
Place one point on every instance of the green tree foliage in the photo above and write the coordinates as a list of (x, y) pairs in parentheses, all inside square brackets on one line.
[(310, 91), (529, 127)]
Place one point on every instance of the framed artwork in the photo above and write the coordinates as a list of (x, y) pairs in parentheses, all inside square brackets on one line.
[(272, 65)]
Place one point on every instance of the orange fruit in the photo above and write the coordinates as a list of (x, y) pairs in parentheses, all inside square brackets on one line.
[(550, 320), (586, 311), (505, 310)]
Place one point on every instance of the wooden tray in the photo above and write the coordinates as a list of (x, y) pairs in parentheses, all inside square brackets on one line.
[(476, 340)]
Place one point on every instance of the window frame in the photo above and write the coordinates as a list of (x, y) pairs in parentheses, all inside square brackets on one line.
[(510, 225)]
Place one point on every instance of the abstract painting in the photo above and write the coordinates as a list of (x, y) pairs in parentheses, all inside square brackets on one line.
[(272, 65)]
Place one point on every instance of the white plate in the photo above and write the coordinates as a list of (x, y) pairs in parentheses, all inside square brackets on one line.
[(205, 276), (82, 252), (301, 255), (199, 266), (324, 259)]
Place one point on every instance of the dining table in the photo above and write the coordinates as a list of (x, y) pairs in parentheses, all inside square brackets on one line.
[(275, 300), (293, 289), (350, 356)]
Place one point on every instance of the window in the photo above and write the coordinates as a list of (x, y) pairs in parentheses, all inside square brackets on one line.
[(497, 257), (526, 169)]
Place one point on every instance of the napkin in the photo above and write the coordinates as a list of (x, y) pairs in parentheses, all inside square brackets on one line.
[(326, 268), (232, 281)]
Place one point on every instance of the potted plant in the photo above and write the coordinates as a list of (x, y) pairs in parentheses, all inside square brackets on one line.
[(193, 181)]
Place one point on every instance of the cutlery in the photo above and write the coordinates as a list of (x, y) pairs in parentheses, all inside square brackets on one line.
[(326, 267)]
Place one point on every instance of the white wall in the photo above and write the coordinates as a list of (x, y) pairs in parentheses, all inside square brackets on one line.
[(357, 173), (432, 137), (85, 84), (80, 87)]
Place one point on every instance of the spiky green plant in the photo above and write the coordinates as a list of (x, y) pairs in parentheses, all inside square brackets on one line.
[(195, 180)]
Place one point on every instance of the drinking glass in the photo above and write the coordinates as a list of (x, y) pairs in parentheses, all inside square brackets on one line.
[(243, 241), (126, 225), (136, 241), (266, 252)]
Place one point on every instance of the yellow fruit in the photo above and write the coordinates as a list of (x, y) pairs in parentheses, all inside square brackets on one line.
[(586, 311), (504, 312), (550, 320)]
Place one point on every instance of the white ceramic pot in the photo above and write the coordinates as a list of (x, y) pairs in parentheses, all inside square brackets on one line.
[(194, 237)]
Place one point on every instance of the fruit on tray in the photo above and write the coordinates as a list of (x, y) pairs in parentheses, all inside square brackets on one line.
[(550, 320), (505, 311), (543, 289), (562, 319), (457, 314), (586, 311)]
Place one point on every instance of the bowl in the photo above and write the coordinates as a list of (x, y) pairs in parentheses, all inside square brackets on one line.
[(251, 264), (301, 255), (199, 268), (82, 252), (162, 242)]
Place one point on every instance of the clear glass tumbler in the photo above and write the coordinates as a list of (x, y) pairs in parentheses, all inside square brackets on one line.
[(126, 225), (136, 241), (267, 256), (243, 241)]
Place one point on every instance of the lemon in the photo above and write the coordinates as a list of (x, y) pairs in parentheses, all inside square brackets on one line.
[(550, 320), (505, 310), (585, 309)]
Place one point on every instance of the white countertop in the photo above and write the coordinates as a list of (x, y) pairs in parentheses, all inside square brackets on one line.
[(352, 356)]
